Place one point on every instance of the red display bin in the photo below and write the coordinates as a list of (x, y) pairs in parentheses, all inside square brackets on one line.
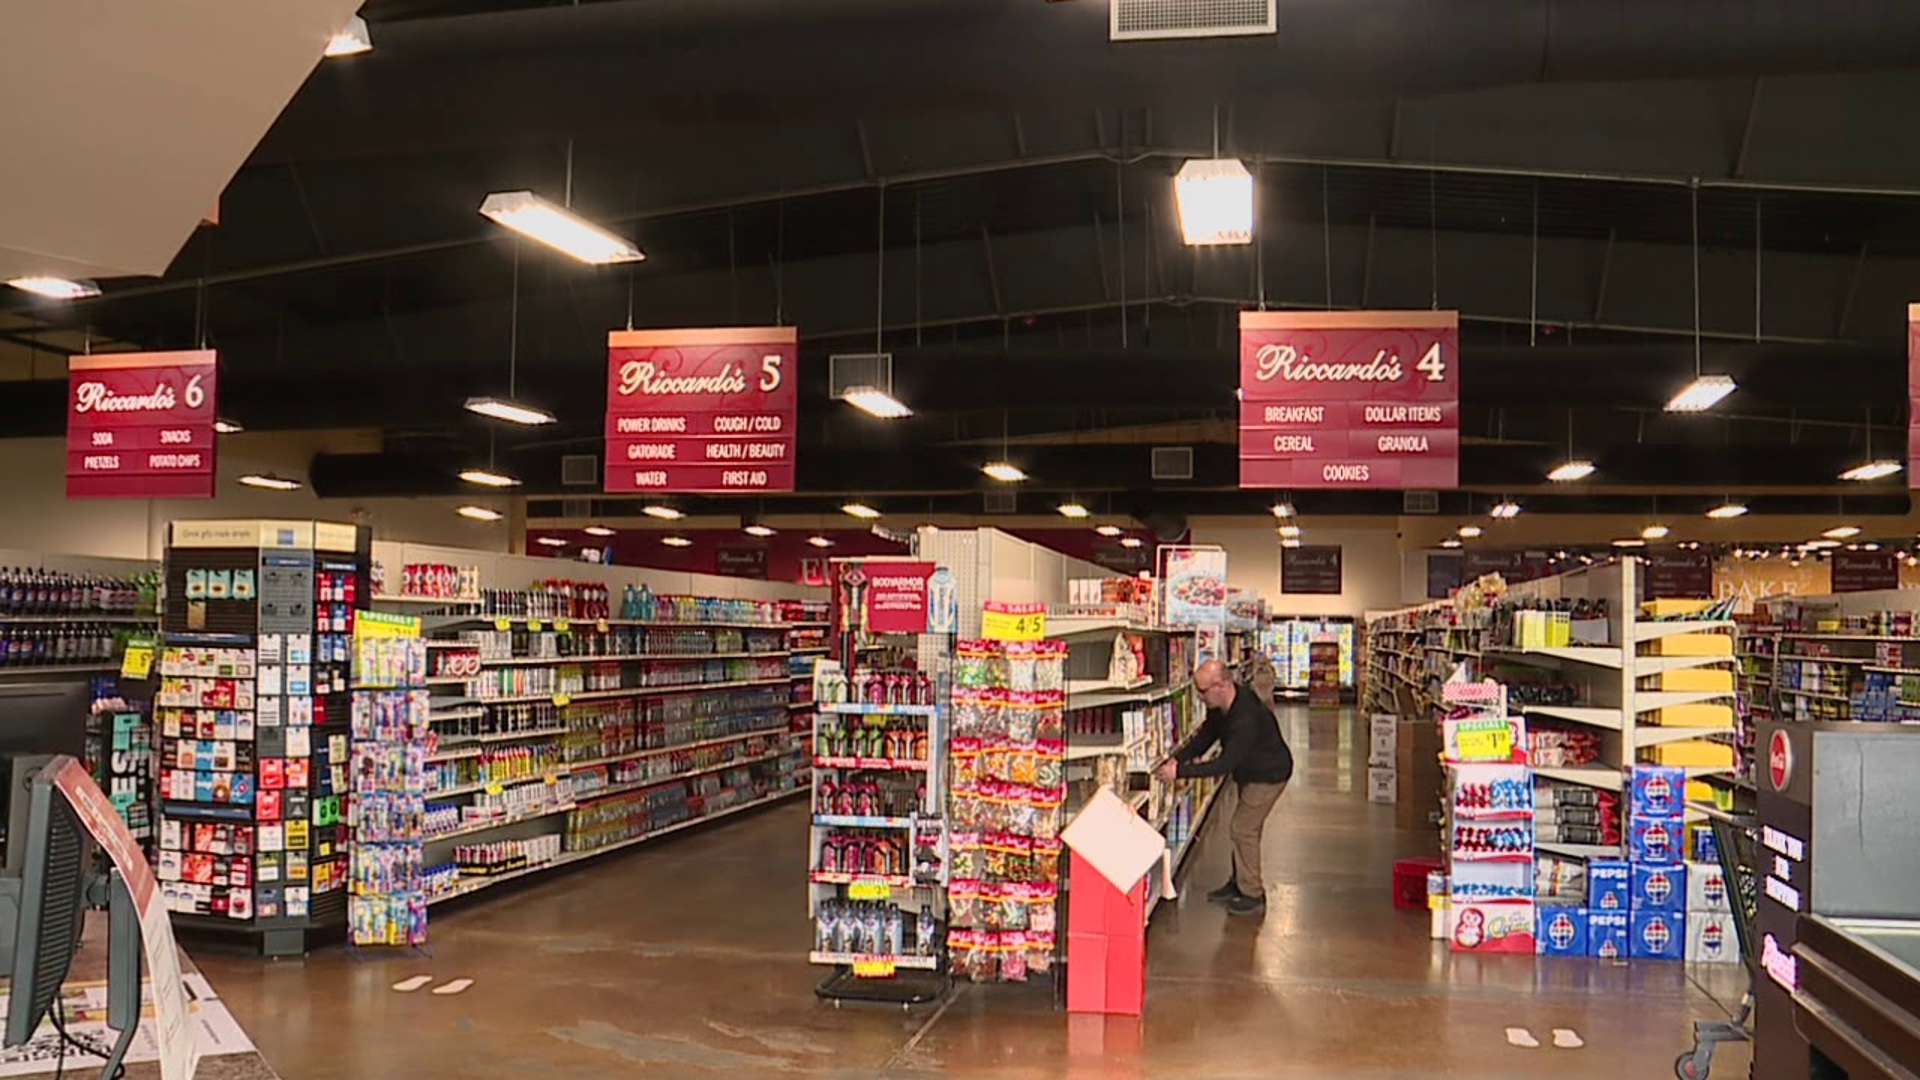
[(1106, 943)]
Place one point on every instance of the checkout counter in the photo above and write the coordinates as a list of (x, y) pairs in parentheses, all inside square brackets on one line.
[(1838, 995)]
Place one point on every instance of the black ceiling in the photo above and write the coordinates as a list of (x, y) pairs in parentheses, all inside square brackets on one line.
[(1542, 166)]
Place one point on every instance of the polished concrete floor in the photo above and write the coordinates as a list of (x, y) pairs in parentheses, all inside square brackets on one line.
[(686, 959)]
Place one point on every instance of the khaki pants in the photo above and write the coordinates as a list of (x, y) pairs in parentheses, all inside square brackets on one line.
[(1249, 822)]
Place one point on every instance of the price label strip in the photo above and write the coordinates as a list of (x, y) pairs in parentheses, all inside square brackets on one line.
[(1013, 622), (869, 890), (873, 969)]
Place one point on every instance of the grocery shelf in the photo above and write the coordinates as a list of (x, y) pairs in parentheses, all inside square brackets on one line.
[(505, 736), (457, 714), (1654, 665), (631, 691), (490, 824), (716, 740), (1652, 630), (1591, 716), (1606, 656), (897, 764), (1076, 625), (455, 754), (855, 708), (1847, 660), (1097, 686), (127, 618), (923, 963), (564, 661), (1599, 776), (436, 601), (1649, 700), (1815, 694), (829, 877), (58, 669), (1655, 735), (862, 821), (1579, 851), (656, 781)]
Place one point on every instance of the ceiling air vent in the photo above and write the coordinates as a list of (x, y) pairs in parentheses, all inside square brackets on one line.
[(1000, 502), (580, 470), (1173, 463), (1420, 502), (1152, 20)]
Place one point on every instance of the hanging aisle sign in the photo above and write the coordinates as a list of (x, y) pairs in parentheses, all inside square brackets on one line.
[(1913, 393), (1349, 399), (140, 425), (701, 410)]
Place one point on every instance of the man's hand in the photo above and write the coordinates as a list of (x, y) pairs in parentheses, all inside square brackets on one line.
[(1168, 770)]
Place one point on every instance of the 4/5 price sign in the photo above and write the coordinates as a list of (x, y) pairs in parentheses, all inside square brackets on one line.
[(1013, 622), (140, 425)]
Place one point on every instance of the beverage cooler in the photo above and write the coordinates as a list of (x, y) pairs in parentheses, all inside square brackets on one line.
[(1289, 644)]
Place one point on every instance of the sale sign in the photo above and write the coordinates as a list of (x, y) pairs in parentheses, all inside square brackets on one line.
[(897, 597), (706, 411), (1349, 399), (140, 425)]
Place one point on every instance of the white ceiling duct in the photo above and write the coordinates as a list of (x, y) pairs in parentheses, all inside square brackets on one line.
[(121, 141)]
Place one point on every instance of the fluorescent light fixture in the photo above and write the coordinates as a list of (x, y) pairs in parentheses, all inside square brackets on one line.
[(1872, 470), (270, 482), (1870, 546), (1004, 471), (663, 512), (1703, 393), (550, 541), (819, 541), (1820, 545), (1506, 510), (597, 530), (876, 402), (352, 40), (860, 510), (1290, 542), (1841, 532), (1630, 542), (227, 427), (54, 288), (1216, 202), (512, 412), (1452, 542), (1131, 541), (534, 217), (1073, 510), (1289, 531), (757, 529), (488, 478), (1108, 530), (1571, 470), (676, 541), (1283, 510), (1655, 532), (1727, 511), (1468, 532), (478, 513)]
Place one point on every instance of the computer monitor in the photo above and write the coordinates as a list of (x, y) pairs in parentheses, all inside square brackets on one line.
[(37, 721), (53, 900)]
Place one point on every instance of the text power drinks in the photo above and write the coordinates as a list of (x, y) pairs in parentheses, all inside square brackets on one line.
[(701, 410)]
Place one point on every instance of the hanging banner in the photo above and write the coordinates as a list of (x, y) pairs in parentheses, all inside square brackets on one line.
[(1196, 587), (702, 411), (897, 597), (1310, 570), (1673, 574), (1913, 394), (1349, 399), (1864, 571), (140, 425)]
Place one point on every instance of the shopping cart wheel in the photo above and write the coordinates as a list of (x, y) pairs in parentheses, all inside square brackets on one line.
[(1695, 1065)]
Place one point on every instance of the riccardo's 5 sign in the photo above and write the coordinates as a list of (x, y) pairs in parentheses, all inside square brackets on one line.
[(140, 425), (701, 410), (1349, 399)]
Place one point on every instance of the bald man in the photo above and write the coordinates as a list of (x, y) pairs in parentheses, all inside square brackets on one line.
[(1255, 756)]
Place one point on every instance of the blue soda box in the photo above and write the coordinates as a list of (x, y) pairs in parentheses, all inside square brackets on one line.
[(1657, 791), (1608, 935), (1659, 935), (1563, 930), (1659, 887), (1705, 848), (1609, 887), (1655, 840)]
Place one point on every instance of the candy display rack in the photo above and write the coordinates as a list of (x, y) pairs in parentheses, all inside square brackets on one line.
[(386, 901)]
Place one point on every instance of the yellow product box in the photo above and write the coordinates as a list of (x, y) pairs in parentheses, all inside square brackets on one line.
[(1694, 645), (1660, 609), (1694, 753), (1704, 716), (1701, 791), (1703, 680)]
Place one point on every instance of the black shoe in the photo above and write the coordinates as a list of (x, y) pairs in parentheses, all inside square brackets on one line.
[(1225, 892), (1247, 905)]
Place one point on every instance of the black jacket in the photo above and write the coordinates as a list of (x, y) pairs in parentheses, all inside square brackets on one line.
[(1252, 750)]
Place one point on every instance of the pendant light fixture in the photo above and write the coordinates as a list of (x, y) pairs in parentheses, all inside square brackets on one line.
[(1873, 468), (1705, 391), (1215, 198), (1572, 468), (508, 408)]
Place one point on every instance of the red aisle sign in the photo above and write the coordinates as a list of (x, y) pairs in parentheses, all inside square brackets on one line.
[(1913, 393), (1349, 399), (140, 425), (701, 410)]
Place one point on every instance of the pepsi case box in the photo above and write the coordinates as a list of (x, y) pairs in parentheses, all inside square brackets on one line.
[(1711, 938), (1655, 840), (1609, 887), (1707, 888), (1563, 930), (1705, 848), (1658, 791), (1660, 887), (1659, 935), (1608, 934)]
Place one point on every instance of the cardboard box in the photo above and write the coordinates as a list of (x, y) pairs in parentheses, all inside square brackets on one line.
[(1418, 780), (1381, 784), (1659, 887), (1693, 645), (1658, 935), (1609, 887), (1655, 841), (1665, 607), (1563, 930), (1711, 938), (1699, 715), (1692, 753), (1608, 934), (1495, 926), (1701, 845), (1656, 792), (1381, 751), (1699, 680), (1707, 889)]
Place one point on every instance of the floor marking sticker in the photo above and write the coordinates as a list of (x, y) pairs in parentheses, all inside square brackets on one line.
[(1516, 1036), (453, 987), (408, 986), (1567, 1039)]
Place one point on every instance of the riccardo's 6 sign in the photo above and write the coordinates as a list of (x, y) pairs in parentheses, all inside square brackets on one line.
[(1349, 399), (140, 425)]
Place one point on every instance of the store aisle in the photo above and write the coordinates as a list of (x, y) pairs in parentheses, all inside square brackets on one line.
[(686, 959)]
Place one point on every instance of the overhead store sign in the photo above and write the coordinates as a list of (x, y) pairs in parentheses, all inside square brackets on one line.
[(1311, 570), (1864, 571), (701, 410), (1349, 399), (1673, 574), (140, 425)]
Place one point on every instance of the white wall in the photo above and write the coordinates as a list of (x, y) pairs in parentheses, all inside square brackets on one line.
[(1371, 575)]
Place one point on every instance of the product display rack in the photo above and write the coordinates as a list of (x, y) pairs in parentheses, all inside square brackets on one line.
[(387, 900), (808, 628)]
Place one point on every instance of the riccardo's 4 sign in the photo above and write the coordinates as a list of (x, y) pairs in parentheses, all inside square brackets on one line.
[(701, 410), (1349, 399), (140, 425)]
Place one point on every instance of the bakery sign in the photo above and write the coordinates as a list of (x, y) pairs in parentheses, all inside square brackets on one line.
[(707, 411), (1349, 399), (140, 425)]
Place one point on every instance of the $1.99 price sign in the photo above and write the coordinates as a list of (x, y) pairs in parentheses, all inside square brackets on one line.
[(1485, 740), (1013, 622)]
